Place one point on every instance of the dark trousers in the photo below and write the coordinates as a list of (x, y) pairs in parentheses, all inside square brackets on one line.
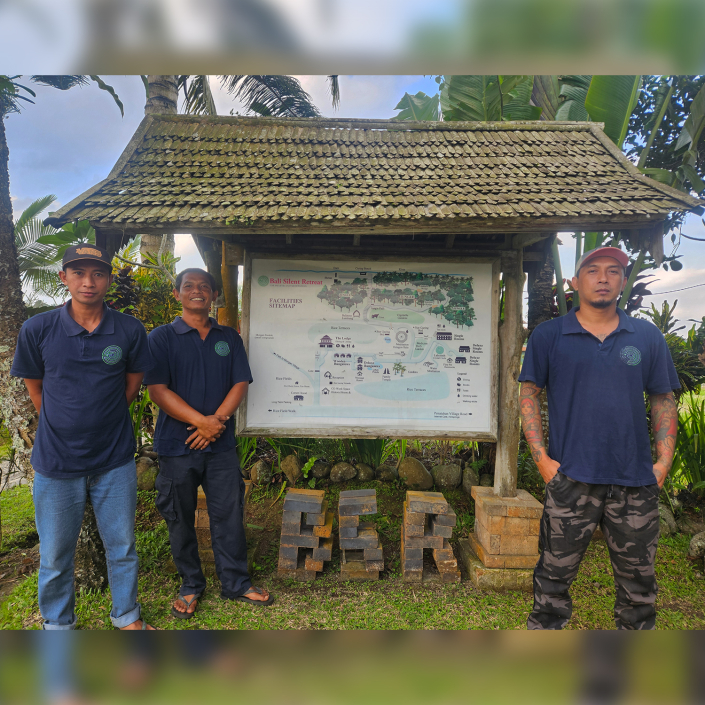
[(630, 522), (177, 488)]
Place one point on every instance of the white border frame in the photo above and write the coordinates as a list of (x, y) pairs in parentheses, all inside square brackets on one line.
[(361, 431)]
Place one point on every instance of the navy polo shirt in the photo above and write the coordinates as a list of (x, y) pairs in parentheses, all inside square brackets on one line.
[(84, 424), (201, 372), (596, 408)]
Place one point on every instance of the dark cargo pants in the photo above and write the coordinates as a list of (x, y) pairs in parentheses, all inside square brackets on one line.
[(630, 522), (177, 489)]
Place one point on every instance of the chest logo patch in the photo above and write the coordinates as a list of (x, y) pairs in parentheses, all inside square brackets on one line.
[(630, 355), (112, 355), (222, 348)]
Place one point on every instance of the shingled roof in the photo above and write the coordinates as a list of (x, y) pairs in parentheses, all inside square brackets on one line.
[(218, 174)]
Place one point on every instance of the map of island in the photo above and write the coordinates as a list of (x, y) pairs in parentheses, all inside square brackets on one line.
[(388, 345)]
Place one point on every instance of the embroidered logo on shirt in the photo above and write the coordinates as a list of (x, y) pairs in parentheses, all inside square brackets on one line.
[(263, 281), (222, 348), (112, 354), (630, 355)]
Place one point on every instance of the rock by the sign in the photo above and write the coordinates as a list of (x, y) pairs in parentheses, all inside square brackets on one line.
[(148, 453), (386, 473), (415, 475), (320, 470), (470, 480), (341, 472), (364, 472), (690, 525), (291, 467), (147, 473), (486, 481), (446, 477), (696, 550), (261, 473), (667, 522)]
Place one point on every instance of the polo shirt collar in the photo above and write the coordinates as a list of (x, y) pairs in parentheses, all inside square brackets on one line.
[(571, 324), (181, 327), (71, 328)]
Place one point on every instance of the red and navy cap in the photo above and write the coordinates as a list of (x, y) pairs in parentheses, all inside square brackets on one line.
[(613, 252)]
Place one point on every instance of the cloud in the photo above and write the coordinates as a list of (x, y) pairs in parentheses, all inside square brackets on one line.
[(673, 286), (185, 247)]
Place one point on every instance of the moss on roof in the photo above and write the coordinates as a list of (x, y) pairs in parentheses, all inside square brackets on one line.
[(217, 172)]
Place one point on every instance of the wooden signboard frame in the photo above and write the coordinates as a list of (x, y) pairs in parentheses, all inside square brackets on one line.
[(243, 429)]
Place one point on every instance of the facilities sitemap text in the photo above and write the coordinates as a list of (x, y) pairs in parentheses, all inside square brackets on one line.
[(370, 344)]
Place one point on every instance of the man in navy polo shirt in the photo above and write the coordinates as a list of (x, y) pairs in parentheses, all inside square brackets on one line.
[(83, 365), (201, 375), (596, 363)]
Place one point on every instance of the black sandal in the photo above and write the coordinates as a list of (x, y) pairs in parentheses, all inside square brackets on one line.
[(188, 603), (258, 591)]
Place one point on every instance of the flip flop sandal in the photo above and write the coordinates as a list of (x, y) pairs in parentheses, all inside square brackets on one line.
[(144, 624), (260, 603), (188, 603)]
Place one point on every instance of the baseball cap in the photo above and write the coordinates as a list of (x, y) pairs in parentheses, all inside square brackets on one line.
[(86, 250), (613, 252)]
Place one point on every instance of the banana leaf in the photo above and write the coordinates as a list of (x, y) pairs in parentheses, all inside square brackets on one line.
[(663, 176), (694, 124), (612, 99), (476, 98), (572, 95), (518, 105), (418, 107), (544, 94)]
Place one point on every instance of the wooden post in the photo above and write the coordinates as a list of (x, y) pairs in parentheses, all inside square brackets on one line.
[(109, 242), (511, 339), (232, 259)]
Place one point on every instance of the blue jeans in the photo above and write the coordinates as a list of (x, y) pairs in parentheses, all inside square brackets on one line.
[(59, 506)]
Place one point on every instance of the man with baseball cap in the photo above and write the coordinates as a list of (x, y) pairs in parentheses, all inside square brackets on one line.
[(595, 364), (83, 365)]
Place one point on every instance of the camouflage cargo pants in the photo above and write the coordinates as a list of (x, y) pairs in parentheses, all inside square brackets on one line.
[(630, 522)]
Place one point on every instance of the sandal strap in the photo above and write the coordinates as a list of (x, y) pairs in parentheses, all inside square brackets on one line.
[(188, 603), (257, 590)]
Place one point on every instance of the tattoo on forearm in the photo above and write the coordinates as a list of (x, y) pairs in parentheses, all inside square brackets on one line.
[(531, 420), (664, 422)]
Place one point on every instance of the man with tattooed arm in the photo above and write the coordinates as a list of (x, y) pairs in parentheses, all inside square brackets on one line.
[(595, 364)]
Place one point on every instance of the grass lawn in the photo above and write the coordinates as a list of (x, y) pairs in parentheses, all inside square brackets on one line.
[(5, 444), (328, 603)]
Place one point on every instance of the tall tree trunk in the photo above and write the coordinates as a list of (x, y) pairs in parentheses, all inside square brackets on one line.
[(162, 99), (540, 300), (16, 409), (163, 95), (541, 291), (151, 244)]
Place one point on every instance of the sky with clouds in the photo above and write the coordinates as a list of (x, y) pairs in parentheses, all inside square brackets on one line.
[(68, 141)]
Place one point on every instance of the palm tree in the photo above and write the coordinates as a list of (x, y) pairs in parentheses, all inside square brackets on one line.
[(37, 260), (280, 96), (15, 406)]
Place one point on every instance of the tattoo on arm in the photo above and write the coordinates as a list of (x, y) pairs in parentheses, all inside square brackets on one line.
[(664, 422), (531, 420)]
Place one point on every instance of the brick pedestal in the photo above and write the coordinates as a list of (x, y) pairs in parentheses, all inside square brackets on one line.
[(307, 535), (502, 552), (361, 554), (203, 531), (428, 524)]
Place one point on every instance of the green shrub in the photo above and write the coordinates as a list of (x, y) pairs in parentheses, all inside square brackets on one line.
[(688, 471)]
